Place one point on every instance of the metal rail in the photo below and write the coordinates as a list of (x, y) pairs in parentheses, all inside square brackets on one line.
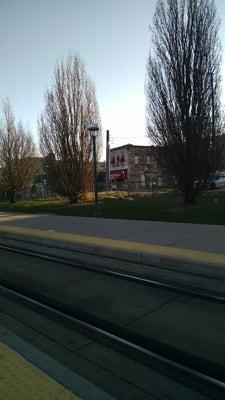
[(210, 296), (193, 378)]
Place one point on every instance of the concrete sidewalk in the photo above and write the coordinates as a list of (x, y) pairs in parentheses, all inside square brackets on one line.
[(210, 238), (157, 243)]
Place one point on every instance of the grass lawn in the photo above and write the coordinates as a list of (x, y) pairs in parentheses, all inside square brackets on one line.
[(210, 209)]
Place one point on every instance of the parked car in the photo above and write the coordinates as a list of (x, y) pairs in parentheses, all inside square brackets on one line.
[(218, 182)]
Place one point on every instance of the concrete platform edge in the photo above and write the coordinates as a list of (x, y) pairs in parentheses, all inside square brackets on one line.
[(57, 371), (175, 264)]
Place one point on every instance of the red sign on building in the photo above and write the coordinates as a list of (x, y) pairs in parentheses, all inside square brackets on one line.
[(119, 174)]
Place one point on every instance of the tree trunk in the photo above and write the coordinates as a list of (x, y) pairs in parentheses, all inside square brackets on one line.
[(189, 195), (73, 198), (11, 195)]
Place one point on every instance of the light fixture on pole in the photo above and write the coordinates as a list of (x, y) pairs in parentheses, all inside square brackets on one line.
[(93, 129)]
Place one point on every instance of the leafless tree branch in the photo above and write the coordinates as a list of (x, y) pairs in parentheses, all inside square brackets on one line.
[(183, 77), (70, 104), (17, 152)]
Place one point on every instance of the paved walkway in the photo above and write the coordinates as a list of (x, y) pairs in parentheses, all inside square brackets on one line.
[(21, 380), (189, 236), (195, 241), (28, 369)]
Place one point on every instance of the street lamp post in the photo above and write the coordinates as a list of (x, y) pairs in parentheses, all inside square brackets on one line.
[(213, 112), (93, 129)]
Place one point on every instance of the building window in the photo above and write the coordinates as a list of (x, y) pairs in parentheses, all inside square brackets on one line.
[(122, 159), (148, 160), (136, 159), (142, 180)]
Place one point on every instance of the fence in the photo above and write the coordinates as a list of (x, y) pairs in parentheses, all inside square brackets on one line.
[(141, 186), (41, 190), (37, 191)]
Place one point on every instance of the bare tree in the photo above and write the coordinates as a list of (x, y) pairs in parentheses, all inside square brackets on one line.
[(183, 90), (17, 152), (70, 104)]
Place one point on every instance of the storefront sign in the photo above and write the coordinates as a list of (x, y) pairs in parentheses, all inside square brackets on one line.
[(119, 174)]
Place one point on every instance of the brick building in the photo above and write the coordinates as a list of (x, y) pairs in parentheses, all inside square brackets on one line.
[(135, 165)]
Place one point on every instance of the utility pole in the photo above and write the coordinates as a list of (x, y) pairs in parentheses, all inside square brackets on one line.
[(107, 159), (213, 112), (95, 174), (93, 129)]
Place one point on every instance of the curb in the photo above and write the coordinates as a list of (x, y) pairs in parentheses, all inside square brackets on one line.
[(172, 263)]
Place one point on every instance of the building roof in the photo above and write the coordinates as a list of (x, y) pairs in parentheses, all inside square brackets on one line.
[(128, 145)]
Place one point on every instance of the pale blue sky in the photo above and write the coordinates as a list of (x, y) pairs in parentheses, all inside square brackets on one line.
[(112, 36)]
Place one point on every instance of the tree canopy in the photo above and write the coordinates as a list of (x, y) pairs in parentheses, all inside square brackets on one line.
[(183, 92), (17, 152), (65, 142)]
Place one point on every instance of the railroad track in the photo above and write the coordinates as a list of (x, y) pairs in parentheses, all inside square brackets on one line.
[(181, 289), (201, 381), (206, 377)]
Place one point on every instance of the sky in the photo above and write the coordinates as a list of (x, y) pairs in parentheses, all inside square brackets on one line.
[(113, 39)]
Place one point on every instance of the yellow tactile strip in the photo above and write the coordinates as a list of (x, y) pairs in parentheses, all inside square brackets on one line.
[(20, 380), (158, 250), (15, 217)]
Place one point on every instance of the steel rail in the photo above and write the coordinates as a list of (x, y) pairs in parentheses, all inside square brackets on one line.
[(216, 386), (206, 295)]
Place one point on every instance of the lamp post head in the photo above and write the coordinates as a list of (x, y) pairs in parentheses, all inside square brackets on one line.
[(93, 128)]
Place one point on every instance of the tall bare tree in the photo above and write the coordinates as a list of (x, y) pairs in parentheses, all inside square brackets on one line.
[(183, 90), (17, 152), (70, 104)]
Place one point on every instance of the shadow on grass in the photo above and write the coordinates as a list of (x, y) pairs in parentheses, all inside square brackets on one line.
[(210, 208)]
